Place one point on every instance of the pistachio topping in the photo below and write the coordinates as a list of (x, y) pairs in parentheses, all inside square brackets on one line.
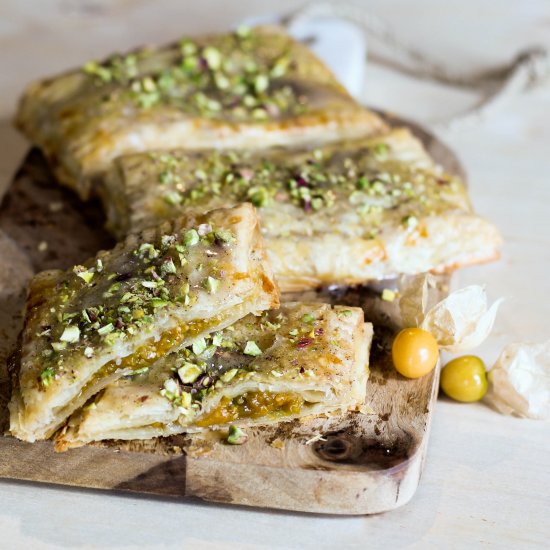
[(251, 348), (123, 293), (70, 334), (324, 182), (227, 76), (46, 376)]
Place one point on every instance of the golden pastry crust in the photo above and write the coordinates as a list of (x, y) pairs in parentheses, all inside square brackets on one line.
[(341, 213), (303, 359), (122, 310), (246, 91)]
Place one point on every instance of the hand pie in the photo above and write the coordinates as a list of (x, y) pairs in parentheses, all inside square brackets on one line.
[(116, 315), (299, 360), (342, 213), (248, 89)]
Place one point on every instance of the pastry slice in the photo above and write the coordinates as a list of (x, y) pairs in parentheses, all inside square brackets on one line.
[(118, 313), (342, 213), (303, 359), (250, 88)]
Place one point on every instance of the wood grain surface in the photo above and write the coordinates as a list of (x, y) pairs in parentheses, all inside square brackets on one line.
[(351, 464)]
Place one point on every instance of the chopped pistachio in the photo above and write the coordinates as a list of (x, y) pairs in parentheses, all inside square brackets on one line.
[(261, 83), (236, 436), (188, 47), (166, 177), (199, 345), (46, 376), (191, 237), (212, 285), (86, 276), (189, 372), (258, 196), (363, 183), (185, 400), (149, 284), (59, 346), (106, 329), (71, 334), (251, 348), (173, 197), (224, 235), (381, 150), (228, 375), (345, 312), (308, 318), (171, 389), (94, 69), (213, 57), (112, 337), (168, 266), (280, 67), (148, 250)]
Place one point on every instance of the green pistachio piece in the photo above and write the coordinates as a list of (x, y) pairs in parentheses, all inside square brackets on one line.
[(261, 83), (168, 267), (46, 376), (308, 318), (236, 436), (71, 334), (228, 375), (213, 57), (86, 276), (251, 348), (199, 345), (191, 237), (106, 329), (189, 372), (258, 196), (212, 285)]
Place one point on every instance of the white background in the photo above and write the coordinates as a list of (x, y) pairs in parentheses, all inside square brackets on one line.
[(487, 477)]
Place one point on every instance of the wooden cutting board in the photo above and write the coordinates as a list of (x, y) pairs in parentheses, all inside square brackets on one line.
[(348, 464)]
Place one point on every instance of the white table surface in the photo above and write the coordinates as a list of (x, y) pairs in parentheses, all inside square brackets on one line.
[(487, 477)]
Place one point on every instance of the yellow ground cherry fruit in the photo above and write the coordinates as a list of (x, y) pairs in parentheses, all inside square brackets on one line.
[(464, 379), (414, 352)]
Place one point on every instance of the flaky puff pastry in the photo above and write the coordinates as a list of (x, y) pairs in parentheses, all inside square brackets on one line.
[(154, 293)]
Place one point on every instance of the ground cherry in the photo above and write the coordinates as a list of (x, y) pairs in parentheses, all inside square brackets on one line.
[(464, 379), (414, 352)]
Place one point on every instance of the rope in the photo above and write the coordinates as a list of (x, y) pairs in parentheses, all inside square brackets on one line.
[(528, 70)]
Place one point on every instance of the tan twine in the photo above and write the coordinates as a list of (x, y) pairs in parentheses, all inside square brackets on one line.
[(496, 85)]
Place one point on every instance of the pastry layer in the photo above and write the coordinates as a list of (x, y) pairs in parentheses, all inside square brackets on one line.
[(302, 359), (339, 213), (249, 89), (124, 309)]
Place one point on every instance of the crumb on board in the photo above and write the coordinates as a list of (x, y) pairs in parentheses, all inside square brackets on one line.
[(42, 246), (389, 295)]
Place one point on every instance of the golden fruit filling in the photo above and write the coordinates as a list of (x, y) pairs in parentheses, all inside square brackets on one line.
[(254, 404)]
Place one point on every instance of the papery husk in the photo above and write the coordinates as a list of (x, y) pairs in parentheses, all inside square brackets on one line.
[(460, 322), (519, 382)]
